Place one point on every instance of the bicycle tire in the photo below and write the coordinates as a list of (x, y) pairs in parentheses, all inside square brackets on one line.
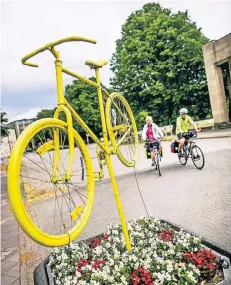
[(23, 211), (127, 153), (198, 157), (184, 158), (158, 163)]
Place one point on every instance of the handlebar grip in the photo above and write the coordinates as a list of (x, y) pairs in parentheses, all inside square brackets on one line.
[(26, 57)]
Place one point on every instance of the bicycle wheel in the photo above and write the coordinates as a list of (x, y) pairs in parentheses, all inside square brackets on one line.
[(157, 158), (122, 129), (197, 157), (183, 158), (51, 213)]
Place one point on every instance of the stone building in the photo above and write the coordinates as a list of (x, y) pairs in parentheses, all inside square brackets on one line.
[(217, 58)]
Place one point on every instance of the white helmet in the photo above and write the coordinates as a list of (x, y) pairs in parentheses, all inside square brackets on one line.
[(183, 111)]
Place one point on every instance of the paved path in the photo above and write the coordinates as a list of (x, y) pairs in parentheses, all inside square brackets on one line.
[(199, 201), (10, 266)]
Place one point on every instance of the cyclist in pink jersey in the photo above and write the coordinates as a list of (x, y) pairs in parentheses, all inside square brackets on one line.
[(152, 133)]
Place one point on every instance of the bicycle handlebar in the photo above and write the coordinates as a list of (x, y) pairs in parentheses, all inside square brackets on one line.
[(189, 134), (51, 45)]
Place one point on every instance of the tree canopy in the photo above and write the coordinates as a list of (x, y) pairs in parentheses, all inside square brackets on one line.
[(158, 65)]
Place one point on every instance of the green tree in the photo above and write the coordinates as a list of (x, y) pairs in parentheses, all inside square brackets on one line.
[(4, 120), (158, 65), (45, 113)]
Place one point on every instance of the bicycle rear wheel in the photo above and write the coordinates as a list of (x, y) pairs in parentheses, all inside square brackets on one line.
[(122, 129), (197, 157), (183, 158), (53, 212)]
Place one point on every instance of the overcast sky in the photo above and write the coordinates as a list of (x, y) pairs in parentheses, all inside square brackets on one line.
[(26, 26)]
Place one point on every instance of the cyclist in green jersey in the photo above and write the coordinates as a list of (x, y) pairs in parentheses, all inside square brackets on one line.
[(183, 124)]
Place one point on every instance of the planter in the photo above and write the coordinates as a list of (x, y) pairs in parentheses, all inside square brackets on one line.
[(43, 276)]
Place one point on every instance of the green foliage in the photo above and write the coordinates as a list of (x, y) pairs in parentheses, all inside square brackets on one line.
[(140, 119), (158, 65), (4, 129), (46, 113)]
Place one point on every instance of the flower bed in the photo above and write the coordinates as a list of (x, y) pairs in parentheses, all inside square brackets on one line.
[(161, 255)]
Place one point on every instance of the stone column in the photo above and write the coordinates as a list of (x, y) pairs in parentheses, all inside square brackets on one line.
[(229, 76), (229, 86), (215, 85)]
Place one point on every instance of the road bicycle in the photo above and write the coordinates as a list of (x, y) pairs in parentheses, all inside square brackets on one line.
[(52, 188), (155, 146), (191, 150)]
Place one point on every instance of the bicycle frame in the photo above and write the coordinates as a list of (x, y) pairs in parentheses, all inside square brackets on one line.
[(189, 148), (64, 106)]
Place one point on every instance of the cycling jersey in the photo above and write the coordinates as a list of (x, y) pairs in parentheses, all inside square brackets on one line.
[(182, 125)]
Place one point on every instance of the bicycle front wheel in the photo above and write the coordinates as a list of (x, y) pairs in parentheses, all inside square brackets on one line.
[(197, 157), (122, 129), (158, 163), (53, 211)]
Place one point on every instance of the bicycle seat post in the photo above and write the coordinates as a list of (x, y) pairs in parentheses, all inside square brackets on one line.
[(59, 75)]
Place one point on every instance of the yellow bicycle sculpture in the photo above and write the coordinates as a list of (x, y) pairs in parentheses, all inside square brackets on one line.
[(51, 180)]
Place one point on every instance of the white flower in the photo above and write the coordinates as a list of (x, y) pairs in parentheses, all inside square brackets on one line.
[(124, 281), (111, 278), (136, 265), (116, 268), (98, 250), (111, 262), (108, 245)]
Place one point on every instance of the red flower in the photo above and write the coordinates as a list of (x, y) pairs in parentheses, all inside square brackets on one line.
[(203, 259), (187, 255), (211, 265), (95, 264), (106, 237), (141, 276), (166, 235), (97, 242)]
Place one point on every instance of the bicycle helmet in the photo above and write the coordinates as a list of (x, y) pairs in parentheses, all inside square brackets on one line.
[(183, 111)]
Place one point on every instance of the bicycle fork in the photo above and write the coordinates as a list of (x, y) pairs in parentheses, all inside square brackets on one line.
[(67, 176)]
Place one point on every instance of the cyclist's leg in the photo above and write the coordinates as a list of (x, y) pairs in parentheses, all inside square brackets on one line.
[(181, 142), (152, 154)]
